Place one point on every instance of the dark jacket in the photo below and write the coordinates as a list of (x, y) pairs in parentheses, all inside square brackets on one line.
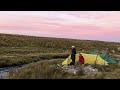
[(73, 53)]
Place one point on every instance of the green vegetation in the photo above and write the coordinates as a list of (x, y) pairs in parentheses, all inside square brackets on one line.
[(39, 71), (15, 60), (51, 44), (19, 49), (42, 70)]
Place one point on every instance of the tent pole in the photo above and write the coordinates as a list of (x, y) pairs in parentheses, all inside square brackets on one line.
[(96, 59)]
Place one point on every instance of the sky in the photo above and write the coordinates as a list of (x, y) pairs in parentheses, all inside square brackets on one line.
[(87, 25)]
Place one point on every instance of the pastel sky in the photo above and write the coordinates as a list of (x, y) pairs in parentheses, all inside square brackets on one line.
[(88, 25)]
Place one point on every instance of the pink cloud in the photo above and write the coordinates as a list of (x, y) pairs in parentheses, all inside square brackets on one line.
[(100, 25)]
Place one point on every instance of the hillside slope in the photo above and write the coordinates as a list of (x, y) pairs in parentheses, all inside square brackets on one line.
[(7, 40), (19, 49)]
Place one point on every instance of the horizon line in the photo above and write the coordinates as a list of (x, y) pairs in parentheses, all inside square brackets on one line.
[(61, 37)]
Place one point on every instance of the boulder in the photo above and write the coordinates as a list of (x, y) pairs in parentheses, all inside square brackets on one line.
[(119, 63)]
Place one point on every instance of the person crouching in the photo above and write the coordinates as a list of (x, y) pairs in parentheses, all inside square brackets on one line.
[(81, 59)]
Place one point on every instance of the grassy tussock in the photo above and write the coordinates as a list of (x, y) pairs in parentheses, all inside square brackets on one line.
[(42, 70), (24, 59), (18, 49), (56, 43)]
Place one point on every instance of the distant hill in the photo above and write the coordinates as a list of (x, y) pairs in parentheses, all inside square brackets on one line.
[(18, 49), (7, 40)]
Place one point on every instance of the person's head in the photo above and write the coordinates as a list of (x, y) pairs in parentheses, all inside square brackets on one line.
[(73, 47), (80, 54)]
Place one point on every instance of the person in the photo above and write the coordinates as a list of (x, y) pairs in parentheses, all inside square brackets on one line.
[(81, 59), (73, 55)]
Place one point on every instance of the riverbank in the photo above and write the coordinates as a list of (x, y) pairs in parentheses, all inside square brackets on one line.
[(4, 72)]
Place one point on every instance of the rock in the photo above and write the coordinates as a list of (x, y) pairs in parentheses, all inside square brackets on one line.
[(118, 59), (107, 78), (113, 51), (80, 69), (72, 71), (119, 63), (65, 66), (75, 72), (89, 69), (104, 51), (118, 48)]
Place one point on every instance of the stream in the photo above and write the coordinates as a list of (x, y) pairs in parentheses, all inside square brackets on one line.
[(4, 72)]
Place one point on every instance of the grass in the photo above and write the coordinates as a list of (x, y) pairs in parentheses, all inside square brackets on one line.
[(57, 44), (19, 49), (42, 70), (14, 60)]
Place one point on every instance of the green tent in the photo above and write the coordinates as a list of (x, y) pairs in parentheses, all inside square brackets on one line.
[(106, 57), (92, 53)]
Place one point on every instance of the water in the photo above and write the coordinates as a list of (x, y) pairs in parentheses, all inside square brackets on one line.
[(4, 72)]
